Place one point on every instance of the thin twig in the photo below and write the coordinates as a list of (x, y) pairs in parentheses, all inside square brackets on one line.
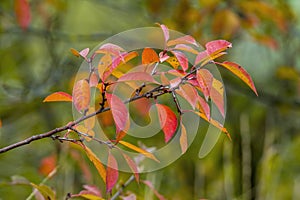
[(130, 179)]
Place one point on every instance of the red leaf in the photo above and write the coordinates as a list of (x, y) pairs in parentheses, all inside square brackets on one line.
[(119, 112), (112, 172), (239, 72), (217, 46), (58, 96), (149, 56), (187, 39), (22, 12), (137, 76), (167, 120), (182, 59), (132, 166), (165, 31), (81, 95), (205, 79)]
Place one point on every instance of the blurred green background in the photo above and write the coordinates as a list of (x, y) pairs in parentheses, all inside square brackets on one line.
[(261, 162)]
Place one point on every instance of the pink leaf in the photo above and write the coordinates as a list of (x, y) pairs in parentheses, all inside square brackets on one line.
[(167, 120), (205, 79), (119, 112), (110, 48), (22, 12), (165, 31), (183, 139), (200, 57), (84, 52), (182, 59), (112, 172), (137, 76)]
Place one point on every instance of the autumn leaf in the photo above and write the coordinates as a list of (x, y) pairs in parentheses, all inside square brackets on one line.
[(189, 93), (48, 164), (167, 120), (187, 39), (22, 12), (217, 95), (137, 76), (75, 52), (132, 166), (217, 46), (58, 96), (203, 106), (118, 61), (139, 150), (165, 31), (240, 72), (182, 59), (45, 191), (185, 48), (90, 122), (214, 123), (95, 160), (119, 112), (205, 79), (93, 80), (149, 56), (112, 172), (173, 61), (103, 64), (110, 48), (183, 139), (84, 52), (81, 95)]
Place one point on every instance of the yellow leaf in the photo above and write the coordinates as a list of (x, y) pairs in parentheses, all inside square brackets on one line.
[(91, 197), (96, 161), (173, 62), (138, 149), (90, 122), (81, 95)]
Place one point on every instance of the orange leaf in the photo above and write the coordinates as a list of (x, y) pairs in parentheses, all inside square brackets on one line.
[(58, 96), (81, 95), (132, 166), (149, 56), (139, 150), (217, 95), (95, 160), (112, 172), (183, 139), (119, 112), (240, 72), (22, 11), (167, 120), (75, 52), (47, 164)]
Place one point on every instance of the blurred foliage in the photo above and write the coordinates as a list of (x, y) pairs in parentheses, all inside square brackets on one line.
[(261, 162)]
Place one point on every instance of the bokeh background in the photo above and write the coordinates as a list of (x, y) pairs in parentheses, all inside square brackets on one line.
[(261, 162)]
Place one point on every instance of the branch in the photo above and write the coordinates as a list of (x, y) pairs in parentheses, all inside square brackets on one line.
[(123, 186)]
